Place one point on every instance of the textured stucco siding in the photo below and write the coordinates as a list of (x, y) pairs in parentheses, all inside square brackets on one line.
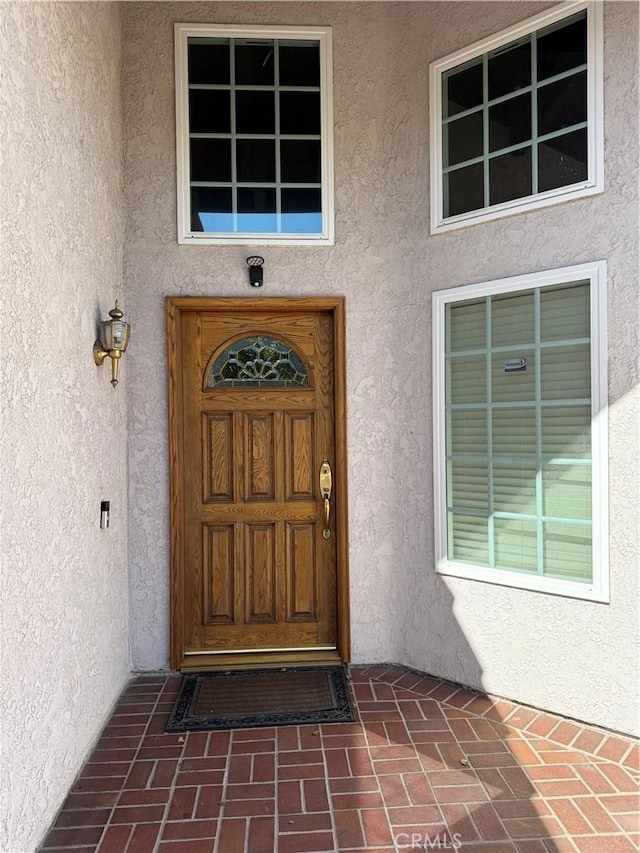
[(573, 657), (65, 654)]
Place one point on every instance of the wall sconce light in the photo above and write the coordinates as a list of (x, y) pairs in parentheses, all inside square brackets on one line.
[(256, 275), (112, 341)]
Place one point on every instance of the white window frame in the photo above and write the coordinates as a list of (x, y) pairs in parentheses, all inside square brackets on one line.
[(595, 135), (322, 35), (598, 589)]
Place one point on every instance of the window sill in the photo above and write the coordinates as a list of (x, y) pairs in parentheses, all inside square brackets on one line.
[(525, 581), (255, 240)]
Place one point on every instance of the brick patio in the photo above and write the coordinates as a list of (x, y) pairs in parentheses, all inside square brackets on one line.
[(427, 766)]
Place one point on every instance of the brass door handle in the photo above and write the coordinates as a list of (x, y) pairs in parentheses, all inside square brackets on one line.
[(325, 494)]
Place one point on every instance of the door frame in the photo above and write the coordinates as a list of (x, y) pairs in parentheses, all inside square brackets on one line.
[(175, 307)]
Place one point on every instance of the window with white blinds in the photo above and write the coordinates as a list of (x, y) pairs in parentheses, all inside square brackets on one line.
[(520, 429)]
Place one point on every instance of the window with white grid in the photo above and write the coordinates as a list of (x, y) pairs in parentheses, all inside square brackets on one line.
[(520, 413), (517, 119), (254, 134)]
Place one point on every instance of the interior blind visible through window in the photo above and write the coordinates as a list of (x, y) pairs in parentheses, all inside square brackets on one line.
[(255, 146), (520, 432)]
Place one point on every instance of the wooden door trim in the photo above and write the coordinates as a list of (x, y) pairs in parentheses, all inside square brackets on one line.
[(175, 307)]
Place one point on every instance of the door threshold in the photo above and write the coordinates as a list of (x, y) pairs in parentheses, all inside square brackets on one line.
[(258, 660)]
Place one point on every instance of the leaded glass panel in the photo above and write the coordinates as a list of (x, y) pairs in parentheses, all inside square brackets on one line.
[(258, 362)]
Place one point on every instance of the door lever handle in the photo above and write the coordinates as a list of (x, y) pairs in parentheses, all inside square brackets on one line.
[(325, 494)]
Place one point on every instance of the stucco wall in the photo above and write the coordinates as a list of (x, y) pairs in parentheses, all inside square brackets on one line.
[(65, 654), (573, 657)]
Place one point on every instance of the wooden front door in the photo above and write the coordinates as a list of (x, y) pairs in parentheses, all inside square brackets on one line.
[(258, 555)]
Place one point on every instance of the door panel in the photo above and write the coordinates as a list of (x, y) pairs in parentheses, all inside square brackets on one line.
[(252, 576)]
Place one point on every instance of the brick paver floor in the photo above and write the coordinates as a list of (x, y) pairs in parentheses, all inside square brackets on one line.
[(427, 766)]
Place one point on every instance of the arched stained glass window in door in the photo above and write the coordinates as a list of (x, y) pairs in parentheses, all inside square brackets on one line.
[(258, 362)]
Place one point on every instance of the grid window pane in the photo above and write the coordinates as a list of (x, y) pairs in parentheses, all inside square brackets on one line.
[(513, 432), (510, 122), (567, 551), (512, 319), (469, 539), (510, 176), (509, 385), (464, 189), (466, 325), (468, 432), (562, 48), (255, 63), (211, 209), (300, 113), (256, 160), (257, 210), (463, 139), (562, 104), (301, 211), (209, 111), (463, 89), (516, 544), (209, 61), (210, 159), (565, 312), (468, 379), (469, 485), (509, 69), (566, 491), (562, 160), (255, 112), (565, 372), (300, 64), (566, 432), (300, 161), (514, 487)]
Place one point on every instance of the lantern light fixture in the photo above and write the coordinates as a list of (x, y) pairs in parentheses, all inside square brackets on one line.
[(113, 337)]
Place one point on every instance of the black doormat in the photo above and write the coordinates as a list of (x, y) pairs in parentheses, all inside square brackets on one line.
[(252, 698)]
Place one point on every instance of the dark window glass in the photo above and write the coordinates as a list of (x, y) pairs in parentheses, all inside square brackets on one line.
[(210, 159), (256, 159), (562, 160), (211, 209), (254, 64), (256, 200), (255, 112), (510, 122), (463, 139), (300, 112), (562, 104), (300, 65), (562, 49), (209, 111), (510, 176), (463, 90), (256, 209), (509, 70), (465, 189), (208, 63), (301, 211), (300, 161)]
